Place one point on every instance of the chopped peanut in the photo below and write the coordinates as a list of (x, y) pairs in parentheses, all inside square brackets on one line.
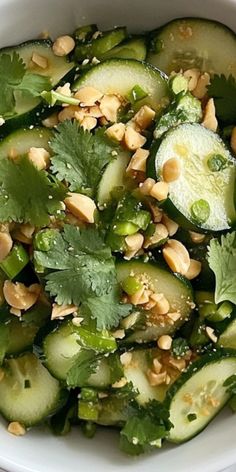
[(157, 366), (68, 113), (144, 117), (156, 379), (161, 303), (51, 121), (201, 89), (159, 191), (59, 311), (233, 140), (172, 226), (210, 121), (138, 161), (39, 60), (39, 157), (120, 383), (109, 107), (5, 245), (88, 96), (139, 297), (175, 316), (94, 111), (64, 90), (171, 170), (133, 139), (16, 428), (116, 131), (19, 296), (134, 242), (119, 334), (81, 206), (156, 212), (211, 334), (164, 342), (194, 269), (27, 229), (160, 234), (126, 358), (192, 75), (77, 320), (176, 256), (197, 238), (63, 45), (89, 122), (15, 312), (146, 186), (179, 364)]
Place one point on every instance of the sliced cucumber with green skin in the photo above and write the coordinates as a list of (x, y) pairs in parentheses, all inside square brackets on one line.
[(30, 110), (187, 43), (177, 291), (114, 176), (101, 45), (228, 338), (134, 48), (202, 197), (28, 392), (120, 76), (198, 395), (136, 372), (60, 348), (23, 139)]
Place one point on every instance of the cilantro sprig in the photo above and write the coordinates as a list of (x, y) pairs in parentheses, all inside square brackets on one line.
[(84, 365), (27, 195), (223, 90), (83, 273), (145, 428), (14, 77), (222, 261), (80, 156)]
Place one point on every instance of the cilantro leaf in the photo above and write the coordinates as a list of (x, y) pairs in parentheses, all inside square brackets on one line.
[(80, 156), (106, 309), (223, 90), (145, 428), (222, 261), (14, 77), (26, 194), (83, 264), (85, 364), (33, 84)]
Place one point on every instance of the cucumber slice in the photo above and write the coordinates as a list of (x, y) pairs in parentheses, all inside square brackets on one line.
[(29, 110), (228, 338), (198, 395), (136, 372), (120, 76), (202, 197), (28, 393), (191, 42), (23, 139), (134, 48), (60, 348), (101, 45), (113, 177), (177, 291)]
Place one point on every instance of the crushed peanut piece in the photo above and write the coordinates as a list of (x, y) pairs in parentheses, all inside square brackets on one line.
[(116, 131), (201, 89), (192, 75), (120, 383), (146, 186), (63, 45), (134, 242), (126, 358), (19, 296), (119, 334), (164, 342), (160, 234), (39, 60), (211, 334), (175, 316), (39, 157), (15, 312), (210, 120), (81, 206), (16, 428), (162, 305), (109, 107), (60, 311), (89, 122), (176, 256), (156, 379), (133, 140), (68, 113), (160, 191), (144, 117), (157, 366), (51, 121), (172, 226), (6, 244), (197, 238), (138, 161), (64, 90), (179, 364), (193, 270), (77, 321), (88, 96)]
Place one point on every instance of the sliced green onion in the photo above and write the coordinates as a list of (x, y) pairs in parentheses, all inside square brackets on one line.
[(137, 93), (131, 285), (178, 83), (88, 410), (200, 211), (44, 239), (125, 228), (100, 341), (15, 262)]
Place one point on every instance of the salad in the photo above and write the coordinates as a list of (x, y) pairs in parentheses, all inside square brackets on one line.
[(117, 241)]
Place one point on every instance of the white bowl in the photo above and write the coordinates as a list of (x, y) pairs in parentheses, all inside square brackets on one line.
[(39, 451)]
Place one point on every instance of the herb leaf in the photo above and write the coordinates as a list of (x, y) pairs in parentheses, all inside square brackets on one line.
[(106, 309), (85, 364), (230, 383), (26, 194), (179, 347), (83, 264), (33, 84), (145, 428), (222, 261), (223, 90), (80, 156)]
